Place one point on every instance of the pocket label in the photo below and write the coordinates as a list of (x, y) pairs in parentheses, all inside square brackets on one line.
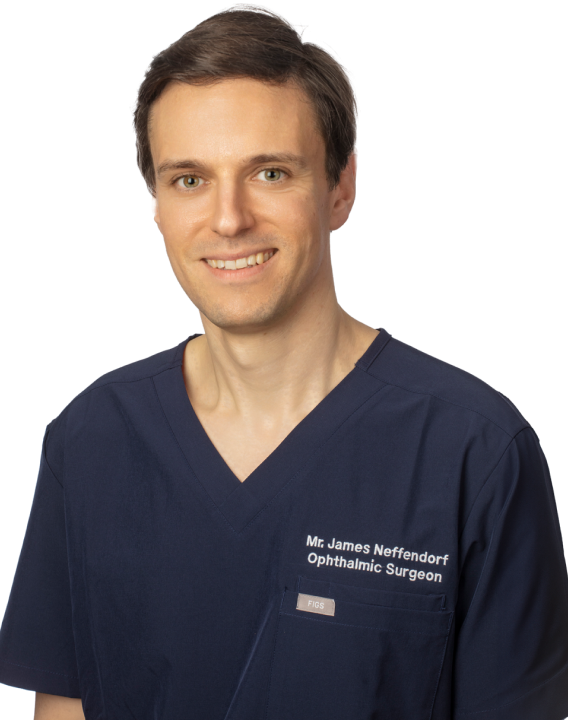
[(315, 604)]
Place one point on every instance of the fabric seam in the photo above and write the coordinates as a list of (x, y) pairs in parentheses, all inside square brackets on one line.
[(28, 667)]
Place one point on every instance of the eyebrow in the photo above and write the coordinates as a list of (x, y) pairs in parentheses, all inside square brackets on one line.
[(274, 158)]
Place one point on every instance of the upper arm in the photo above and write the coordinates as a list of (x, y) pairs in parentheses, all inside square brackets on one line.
[(56, 707)]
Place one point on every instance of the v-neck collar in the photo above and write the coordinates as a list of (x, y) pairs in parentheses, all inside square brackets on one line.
[(238, 501)]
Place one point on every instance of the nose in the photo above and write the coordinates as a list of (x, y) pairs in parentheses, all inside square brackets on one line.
[(231, 214)]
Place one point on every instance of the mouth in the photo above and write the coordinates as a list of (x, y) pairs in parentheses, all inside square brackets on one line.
[(242, 263), (241, 268)]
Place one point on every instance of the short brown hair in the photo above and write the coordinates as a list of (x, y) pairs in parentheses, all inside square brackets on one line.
[(256, 43)]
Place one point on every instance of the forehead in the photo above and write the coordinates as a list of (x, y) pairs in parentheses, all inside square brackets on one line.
[(232, 119)]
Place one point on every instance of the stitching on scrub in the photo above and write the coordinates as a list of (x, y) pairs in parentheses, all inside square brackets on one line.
[(362, 602), (208, 498), (88, 390), (440, 670), (323, 582), (175, 436), (490, 545), (44, 457), (514, 702), (256, 636), (487, 479), (450, 402), (51, 672), (169, 366), (389, 607), (271, 674), (365, 366), (363, 627)]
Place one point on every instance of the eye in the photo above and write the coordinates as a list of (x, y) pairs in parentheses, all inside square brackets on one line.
[(189, 182), (271, 174)]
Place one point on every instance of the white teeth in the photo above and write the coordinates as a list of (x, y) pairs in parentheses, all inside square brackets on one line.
[(241, 263)]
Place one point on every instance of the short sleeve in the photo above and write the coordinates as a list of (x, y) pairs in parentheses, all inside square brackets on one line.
[(37, 650), (511, 655)]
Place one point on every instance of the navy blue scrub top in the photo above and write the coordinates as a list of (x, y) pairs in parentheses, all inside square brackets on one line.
[(398, 556)]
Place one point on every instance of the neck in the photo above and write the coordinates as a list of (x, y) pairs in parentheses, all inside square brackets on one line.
[(277, 373)]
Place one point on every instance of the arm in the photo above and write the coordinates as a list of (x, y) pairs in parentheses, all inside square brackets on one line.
[(56, 707)]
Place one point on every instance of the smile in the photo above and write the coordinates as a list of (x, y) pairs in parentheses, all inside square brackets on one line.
[(242, 269), (240, 263)]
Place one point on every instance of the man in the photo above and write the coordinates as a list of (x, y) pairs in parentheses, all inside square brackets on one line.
[(292, 515)]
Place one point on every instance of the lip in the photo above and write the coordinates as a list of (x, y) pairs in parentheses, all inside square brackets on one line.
[(236, 256), (242, 274)]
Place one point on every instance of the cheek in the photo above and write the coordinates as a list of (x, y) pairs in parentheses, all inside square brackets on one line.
[(173, 224), (298, 216), (180, 227), (172, 259), (180, 218)]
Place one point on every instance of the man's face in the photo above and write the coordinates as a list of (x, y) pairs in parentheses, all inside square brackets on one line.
[(240, 180)]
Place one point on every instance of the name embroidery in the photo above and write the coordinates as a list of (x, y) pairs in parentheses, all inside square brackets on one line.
[(411, 574)]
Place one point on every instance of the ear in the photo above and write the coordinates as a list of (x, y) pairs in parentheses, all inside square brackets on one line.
[(343, 194), (157, 214)]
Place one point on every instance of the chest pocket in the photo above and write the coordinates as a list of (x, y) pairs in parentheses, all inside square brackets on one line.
[(378, 656)]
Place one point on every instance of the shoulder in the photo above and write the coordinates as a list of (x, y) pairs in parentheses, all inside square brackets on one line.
[(455, 390), (136, 371), (108, 394)]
